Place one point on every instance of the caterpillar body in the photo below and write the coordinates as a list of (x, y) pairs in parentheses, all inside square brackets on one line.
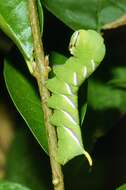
[(87, 49)]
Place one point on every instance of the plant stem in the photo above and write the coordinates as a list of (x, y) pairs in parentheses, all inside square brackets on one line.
[(41, 70)]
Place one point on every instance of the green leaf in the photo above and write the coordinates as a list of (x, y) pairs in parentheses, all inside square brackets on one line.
[(14, 22), (123, 187), (24, 95), (4, 185), (55, 59), (87, 14)]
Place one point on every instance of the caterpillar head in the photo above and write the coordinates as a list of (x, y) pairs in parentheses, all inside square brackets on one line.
[(88, 45)]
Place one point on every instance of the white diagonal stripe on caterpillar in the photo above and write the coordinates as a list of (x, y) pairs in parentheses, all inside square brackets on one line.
[(78, 142), (72, 135), (85, 72), (75, 81), (74, 41), (68, 88), (75, 36), (93, 64), (69, 117), (69, 101)]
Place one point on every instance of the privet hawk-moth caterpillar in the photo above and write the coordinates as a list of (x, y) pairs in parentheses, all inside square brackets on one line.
[(87, 49)]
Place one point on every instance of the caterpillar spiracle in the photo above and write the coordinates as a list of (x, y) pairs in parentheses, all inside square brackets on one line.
[(87, 49)]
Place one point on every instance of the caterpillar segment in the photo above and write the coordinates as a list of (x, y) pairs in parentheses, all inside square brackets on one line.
[(64, 87), (66, 119)]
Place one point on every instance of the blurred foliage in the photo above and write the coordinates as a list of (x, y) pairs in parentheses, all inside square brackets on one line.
[(11, 186), (123, 187), (26, 164)]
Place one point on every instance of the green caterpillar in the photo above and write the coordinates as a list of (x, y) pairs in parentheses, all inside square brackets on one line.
[(88, 50)]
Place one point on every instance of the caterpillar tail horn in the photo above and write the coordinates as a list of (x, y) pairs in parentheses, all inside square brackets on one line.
[(87, 155)]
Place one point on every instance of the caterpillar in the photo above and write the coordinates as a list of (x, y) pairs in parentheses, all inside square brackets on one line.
[(87, 51)]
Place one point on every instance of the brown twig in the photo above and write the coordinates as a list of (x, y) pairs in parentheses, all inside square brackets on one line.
[(41, 74)]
